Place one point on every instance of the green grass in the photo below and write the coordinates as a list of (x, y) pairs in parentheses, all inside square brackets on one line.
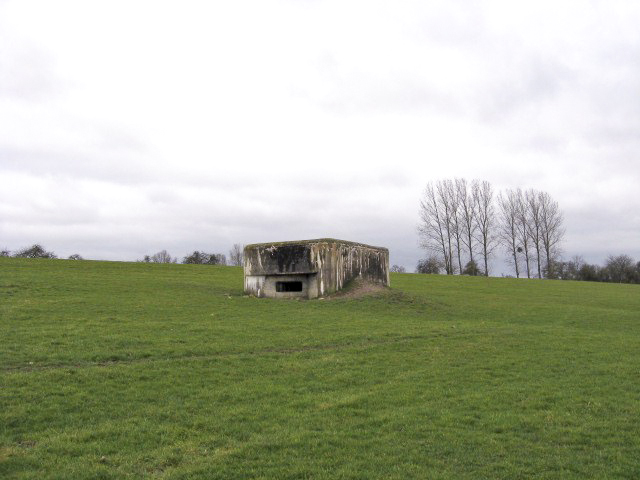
[(130, 370)]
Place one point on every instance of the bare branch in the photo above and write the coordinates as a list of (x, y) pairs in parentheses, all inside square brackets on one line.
[(552, 231), (508, 232), (467, 211), (485, 220), (434, 229)]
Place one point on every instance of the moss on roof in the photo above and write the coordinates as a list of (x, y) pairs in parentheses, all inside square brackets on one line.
[(310, 242)]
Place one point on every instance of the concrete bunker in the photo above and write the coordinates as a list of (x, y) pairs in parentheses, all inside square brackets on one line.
[(311, 268)]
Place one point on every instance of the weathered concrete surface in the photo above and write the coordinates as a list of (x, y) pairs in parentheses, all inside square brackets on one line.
[(321, 266)]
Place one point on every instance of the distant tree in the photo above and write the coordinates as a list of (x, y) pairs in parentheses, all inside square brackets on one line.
[(436, 226), (508, 208), (534, 225), (75, 256), (456, 220), (552, 231), (471, 268), (235, 255), (556, 269), (621, 268), (398, 269), (146, 259), (571, 269), (442, 230), (162, 257), (5, 253), (217, 259), (203, 258), (431, 264), (523, 229), (35, 251), (485, 220), (589, 273), (196, 257), (467, 212)]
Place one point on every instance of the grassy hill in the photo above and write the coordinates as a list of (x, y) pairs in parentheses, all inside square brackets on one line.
[(114, 370)]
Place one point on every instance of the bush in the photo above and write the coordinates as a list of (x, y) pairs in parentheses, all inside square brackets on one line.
[(429, 265), (471, 268)]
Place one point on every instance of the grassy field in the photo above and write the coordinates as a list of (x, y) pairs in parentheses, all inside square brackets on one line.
[(129, 370)]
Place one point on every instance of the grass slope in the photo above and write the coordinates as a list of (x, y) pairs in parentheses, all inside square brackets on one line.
[(129, 370)]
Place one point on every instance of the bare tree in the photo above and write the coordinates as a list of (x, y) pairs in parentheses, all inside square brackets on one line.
[(162, 257), (508, 232), (398, 269), (434, 227), (620, 268), (485, 220), (534, 225), (467, 212), (551, 231), (590, 273), (522, 227), (235, 255), (455, 220), (572, 268), (444, 199)]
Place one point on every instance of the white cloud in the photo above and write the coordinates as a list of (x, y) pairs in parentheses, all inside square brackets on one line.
[(128, 127)]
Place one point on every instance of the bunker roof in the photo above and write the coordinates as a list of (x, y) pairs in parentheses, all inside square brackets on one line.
[(310, 242)]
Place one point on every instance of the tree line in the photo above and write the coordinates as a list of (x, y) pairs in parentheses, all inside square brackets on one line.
[(197, 257), (616, 269), (463, 223), (34, 251)]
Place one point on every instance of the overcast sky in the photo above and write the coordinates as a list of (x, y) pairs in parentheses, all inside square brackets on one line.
[(127, 127)]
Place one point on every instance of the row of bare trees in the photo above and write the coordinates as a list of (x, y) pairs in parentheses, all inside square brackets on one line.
[(530, 229), (463, 222)]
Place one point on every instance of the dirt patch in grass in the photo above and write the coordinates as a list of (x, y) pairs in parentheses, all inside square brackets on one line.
[(358, 288)]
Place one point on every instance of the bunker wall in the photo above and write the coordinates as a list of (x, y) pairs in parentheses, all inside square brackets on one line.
[(339, 263), (322, 266), (275, 286)]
